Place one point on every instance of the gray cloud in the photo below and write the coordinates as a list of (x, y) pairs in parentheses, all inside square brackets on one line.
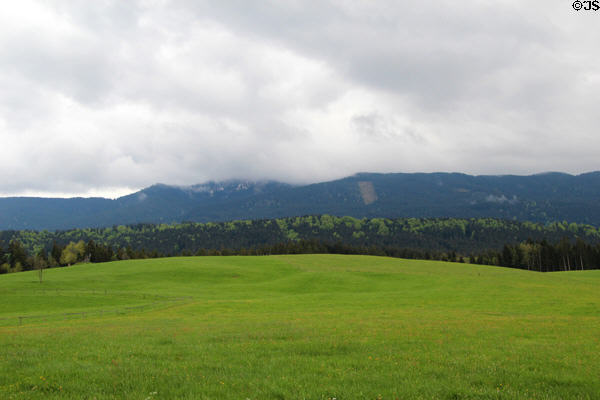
[(501, 199), (105, 97)]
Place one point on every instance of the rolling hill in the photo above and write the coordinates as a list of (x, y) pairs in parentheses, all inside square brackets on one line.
[(298, 327)]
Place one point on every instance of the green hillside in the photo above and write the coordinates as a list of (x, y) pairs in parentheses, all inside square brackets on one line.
[(299, 327)]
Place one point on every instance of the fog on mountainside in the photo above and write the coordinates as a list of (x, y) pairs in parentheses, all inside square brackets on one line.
[(540, 198)]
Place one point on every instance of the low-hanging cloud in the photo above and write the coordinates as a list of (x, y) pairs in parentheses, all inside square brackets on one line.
[(106, 97)]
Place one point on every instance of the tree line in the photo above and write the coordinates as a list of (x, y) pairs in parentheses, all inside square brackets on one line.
[(540, 256), (443, 235)]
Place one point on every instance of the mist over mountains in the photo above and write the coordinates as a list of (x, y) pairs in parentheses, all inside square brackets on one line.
[(540, 198)]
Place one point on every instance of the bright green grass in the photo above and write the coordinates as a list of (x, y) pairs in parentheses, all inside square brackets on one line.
[(301, 327)]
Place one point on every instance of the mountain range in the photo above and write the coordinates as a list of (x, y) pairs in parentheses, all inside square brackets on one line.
[(541, 198)]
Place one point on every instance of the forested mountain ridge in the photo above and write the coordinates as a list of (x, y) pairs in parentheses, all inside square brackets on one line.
[(540, 198)]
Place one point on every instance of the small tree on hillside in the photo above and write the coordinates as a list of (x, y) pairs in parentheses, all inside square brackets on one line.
[(40, 263)]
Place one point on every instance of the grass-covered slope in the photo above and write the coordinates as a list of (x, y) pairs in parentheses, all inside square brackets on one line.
[(294, 327)]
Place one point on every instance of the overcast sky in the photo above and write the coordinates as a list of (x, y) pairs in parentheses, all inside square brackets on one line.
[(106, 97)]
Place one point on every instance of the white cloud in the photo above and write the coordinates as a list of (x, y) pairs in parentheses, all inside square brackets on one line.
[(105, 97)]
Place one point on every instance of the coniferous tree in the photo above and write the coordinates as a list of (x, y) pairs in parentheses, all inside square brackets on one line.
[(18, 255)]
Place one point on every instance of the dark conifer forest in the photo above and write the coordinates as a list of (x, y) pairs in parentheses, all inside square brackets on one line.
[(542, 198), (539, 247)]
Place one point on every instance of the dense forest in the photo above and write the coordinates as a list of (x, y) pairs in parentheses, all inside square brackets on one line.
[(556, 246), (542, 198)]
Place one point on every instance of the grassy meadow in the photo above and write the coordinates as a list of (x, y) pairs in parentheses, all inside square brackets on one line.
[(299, 327)]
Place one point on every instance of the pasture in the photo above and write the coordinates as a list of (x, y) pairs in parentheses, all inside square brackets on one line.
[(299, 327)]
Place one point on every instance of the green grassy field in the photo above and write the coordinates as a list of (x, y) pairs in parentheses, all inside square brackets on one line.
[(299, 327)]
